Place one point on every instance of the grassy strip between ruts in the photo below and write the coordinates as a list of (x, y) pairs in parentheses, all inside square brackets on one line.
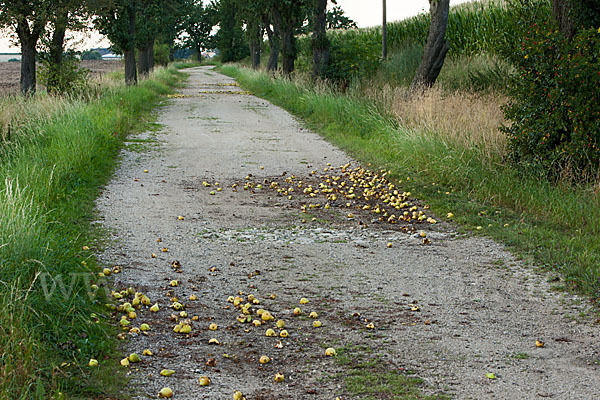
[(556, 227), (51, 172)]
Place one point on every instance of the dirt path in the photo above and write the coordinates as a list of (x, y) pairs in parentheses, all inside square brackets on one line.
[(451, 311)]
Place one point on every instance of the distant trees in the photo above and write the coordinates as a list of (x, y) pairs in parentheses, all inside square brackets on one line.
[(91, 55), (251, 14), (135, 27), (230, 38), (197, 25), (281, 21), (116, 19), (337, 20), (157, 20)]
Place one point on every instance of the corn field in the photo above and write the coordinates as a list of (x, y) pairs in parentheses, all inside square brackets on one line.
[(473, 28)]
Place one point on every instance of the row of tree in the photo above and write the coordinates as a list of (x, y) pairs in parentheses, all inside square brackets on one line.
[(281, 21), (132, 26)]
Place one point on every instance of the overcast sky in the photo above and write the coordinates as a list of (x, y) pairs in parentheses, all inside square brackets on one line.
[(364, 12)]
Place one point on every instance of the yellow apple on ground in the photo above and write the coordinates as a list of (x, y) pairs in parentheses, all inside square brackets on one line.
[(270, 332), (330, 352), (264, 359), (204, 380)]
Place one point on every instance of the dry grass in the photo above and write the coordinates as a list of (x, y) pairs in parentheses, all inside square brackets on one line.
[(468, 119), (17, 111)]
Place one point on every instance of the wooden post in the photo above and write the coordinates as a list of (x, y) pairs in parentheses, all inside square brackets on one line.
[(384, 32)]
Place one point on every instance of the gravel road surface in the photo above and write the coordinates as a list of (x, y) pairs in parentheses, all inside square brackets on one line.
[(448, 312)]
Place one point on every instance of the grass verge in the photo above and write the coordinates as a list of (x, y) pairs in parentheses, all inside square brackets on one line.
[(367, 376), (51, 322), (555, 226)]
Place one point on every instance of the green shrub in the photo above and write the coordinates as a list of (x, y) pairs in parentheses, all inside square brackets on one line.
[(91, 55), (63, 78), (161, 54), (352, 55), (554, 113)]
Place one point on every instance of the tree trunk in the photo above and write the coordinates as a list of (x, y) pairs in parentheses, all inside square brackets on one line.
[(436, 46), (255, 49), (142, 66), (560, 13), (320, 43), (28, 74), (58, 40), (198, 54), (150, 54), (289, 51), (55, 52), (285, 20), (28, 39), (274, 44), (131, 77), (171, 54), (130, 70), (384, 49)]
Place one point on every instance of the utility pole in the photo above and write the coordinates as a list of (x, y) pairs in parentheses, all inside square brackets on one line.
[(384, 32)]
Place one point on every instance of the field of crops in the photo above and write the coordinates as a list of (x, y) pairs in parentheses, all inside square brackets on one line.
[(472, 28)]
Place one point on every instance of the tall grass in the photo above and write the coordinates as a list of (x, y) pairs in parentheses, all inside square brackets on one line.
[(17, 112), (51, 167), (557, 226), (465, 119)]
